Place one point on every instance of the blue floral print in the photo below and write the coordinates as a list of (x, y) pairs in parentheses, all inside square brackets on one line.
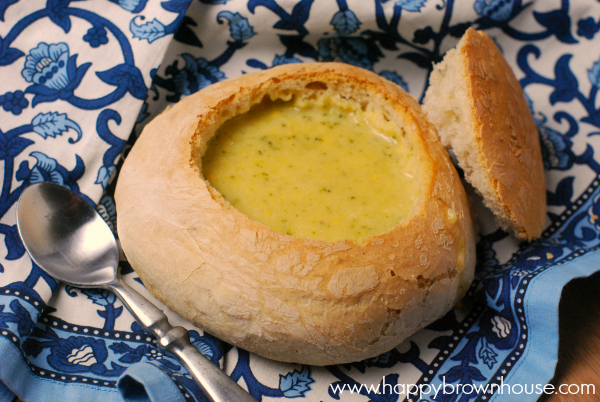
[(196, 74), (497, 10), (14, 102), (135, 6), (587, 27), (96, 37), (345, 22), (47, 65)]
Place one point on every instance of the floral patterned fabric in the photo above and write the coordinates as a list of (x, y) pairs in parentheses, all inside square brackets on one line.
[(79, 76)]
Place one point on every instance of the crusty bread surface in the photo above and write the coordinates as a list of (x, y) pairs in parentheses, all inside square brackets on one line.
[(282, 297), (477, 105)]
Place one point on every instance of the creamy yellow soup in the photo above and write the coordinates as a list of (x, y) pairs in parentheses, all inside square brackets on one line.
[(322, 169)]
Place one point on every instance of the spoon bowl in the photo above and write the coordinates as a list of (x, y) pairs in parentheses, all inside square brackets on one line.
[(68, 239)]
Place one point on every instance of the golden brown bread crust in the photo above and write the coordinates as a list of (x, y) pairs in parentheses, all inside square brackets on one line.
[(500, 134), (282, 297), (507, 136)]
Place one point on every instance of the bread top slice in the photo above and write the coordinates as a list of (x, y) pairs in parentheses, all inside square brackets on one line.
[(479, 110)]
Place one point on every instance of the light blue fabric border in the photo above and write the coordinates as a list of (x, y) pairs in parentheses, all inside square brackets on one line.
[(6, 395), (541, 353), (17, 376), (144, 382)]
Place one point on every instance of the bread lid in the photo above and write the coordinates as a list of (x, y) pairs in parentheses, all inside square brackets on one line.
[(479, 109)]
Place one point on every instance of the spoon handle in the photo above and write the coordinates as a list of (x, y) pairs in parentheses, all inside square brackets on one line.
[(215, 384)]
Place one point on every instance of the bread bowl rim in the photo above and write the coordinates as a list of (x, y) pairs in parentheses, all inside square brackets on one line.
[(201, 145)]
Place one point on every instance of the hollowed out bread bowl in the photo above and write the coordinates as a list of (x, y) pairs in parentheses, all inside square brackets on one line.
[(290, 298)]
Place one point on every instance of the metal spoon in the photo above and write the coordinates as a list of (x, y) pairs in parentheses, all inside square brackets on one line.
[(67, 238)]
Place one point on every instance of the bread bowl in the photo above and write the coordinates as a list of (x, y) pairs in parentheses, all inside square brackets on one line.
[(289, 298), (477, 105)]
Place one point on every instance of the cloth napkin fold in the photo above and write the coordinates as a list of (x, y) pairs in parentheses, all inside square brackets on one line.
[(147, 382), (79, 76)]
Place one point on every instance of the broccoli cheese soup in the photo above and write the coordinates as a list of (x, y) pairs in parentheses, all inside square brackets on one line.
[(324, 168)]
